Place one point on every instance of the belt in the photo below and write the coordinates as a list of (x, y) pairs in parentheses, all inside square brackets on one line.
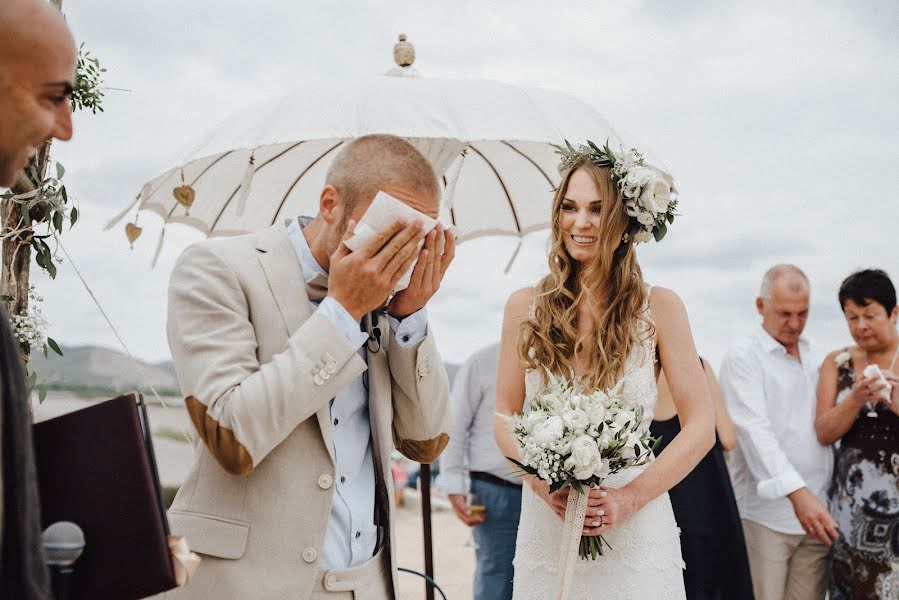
[(490, 478)]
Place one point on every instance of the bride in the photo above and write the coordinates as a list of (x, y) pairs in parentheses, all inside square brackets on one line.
[(595, 318)]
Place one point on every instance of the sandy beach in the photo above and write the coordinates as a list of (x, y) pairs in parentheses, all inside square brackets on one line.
[(453, 560)]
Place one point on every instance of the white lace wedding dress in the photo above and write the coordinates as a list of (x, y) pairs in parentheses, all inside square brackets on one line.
[(644, 562)]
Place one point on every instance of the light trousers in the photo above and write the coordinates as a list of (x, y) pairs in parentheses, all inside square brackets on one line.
[(785, 566)]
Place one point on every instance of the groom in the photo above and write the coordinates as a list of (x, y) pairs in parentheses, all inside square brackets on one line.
[(299, 388)]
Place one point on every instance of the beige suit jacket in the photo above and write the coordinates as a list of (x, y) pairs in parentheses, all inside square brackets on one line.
[(258, 370)]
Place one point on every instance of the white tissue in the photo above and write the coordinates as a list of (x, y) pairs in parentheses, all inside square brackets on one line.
[(874, 371), (384, 210)]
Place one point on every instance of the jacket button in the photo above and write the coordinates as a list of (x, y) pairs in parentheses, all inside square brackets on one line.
[(331, 367), (423, 369), (318, 380), (325, 481), (309, 555), (324, 374), (330, 582)]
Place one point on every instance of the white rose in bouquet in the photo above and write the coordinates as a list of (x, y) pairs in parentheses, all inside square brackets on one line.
[(532, 418), (596, 414), (576, 420), (656, 195), (548, 431), (585, 457)]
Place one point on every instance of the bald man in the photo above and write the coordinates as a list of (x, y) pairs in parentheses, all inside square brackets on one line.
[(37, 74), (779, 469)]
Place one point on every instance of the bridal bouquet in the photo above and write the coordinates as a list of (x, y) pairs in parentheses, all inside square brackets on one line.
[(570, 438)]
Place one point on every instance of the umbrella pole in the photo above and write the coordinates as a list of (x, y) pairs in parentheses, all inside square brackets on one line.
[(424, 479)]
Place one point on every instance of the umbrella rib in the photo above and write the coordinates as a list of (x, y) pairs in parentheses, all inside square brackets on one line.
[(197, 178), (452, 208), (300, 176), (503, 185), (530, 160), (237, 189)]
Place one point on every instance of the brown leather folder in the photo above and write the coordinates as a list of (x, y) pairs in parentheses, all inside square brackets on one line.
[(96, 468)]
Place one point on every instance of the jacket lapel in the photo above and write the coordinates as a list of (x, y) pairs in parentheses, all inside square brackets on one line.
[(285, 278)]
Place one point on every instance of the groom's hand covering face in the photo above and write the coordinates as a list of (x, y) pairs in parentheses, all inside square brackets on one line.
[(361, 281)]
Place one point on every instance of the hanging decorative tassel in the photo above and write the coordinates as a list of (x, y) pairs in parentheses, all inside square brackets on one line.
[(512, 260), (132, 232), (158, 248), (245, 184), (450, 191), (184, 194)]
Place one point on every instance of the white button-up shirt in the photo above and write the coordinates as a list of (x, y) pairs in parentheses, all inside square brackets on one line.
[(351, 534), (771, 398), (472, 446)]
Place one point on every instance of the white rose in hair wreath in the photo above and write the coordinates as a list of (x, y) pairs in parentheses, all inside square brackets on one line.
[(656, 195)]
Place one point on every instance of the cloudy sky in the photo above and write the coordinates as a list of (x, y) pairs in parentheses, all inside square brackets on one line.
[(778, 122)]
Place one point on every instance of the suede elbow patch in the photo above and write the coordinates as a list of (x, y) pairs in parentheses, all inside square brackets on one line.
[(424, 451), (228, 452)]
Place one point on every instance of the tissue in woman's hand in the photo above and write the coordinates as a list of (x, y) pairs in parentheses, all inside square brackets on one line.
[(874, 371), (384, 210)]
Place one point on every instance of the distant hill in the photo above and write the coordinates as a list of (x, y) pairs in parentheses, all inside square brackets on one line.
[(99, 370), (95, 369)]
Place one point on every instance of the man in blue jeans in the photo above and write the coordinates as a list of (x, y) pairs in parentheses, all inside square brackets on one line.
[(472, 455)]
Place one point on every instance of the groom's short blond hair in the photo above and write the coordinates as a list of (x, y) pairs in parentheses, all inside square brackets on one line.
[(368, 163)]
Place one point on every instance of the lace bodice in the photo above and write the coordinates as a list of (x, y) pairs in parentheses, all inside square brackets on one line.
[(638, 385)]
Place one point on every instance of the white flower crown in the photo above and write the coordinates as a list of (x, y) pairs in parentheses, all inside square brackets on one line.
[(649, 197)]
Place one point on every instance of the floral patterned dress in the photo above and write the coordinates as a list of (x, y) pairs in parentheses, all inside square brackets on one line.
[(864, 501)]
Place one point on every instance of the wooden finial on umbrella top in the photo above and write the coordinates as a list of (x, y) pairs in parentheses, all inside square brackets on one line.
[(403, 52)]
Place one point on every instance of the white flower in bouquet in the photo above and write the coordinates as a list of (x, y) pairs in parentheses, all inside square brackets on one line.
[(547, 431), (596, 413), (576, 420), (584, 458)]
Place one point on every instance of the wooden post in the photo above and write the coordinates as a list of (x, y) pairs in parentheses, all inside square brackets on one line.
[(424, 479)]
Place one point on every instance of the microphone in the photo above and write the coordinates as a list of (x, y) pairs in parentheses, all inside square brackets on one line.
[(63, 543)]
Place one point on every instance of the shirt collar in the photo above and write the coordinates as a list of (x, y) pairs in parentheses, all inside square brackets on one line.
[(771, 345), (308, 264)]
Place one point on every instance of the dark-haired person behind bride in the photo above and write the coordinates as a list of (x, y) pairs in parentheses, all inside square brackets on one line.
[(858, 410), (595, 319)]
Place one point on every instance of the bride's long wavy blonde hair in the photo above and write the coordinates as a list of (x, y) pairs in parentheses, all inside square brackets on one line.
[(611, 286)]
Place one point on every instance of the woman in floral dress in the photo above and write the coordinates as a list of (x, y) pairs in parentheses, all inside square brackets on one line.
[(859, 414)]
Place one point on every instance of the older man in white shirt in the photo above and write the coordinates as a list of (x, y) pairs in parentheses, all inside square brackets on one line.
[(780, 472), (472, 454)]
